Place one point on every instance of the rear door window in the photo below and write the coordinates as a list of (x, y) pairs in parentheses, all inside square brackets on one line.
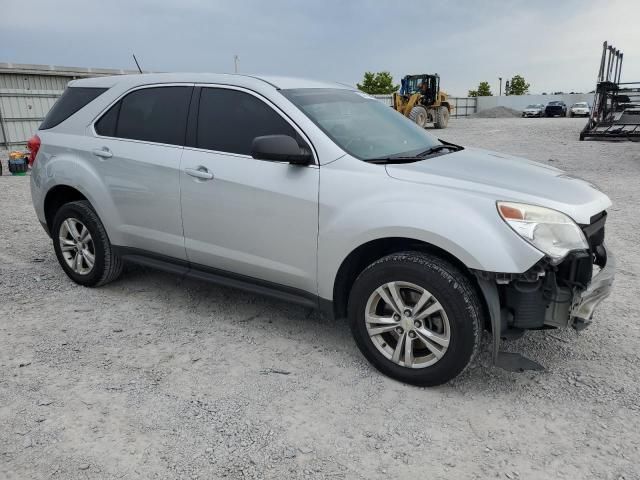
[(72, 100), (157, 114), (229, 120)]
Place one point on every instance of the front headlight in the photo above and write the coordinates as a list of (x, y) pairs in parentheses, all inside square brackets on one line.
[(550, 231)]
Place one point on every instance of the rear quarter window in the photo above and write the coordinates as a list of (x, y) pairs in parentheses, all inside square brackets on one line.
[(72, 100)]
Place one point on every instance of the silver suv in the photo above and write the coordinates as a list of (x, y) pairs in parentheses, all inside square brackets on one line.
[(319, 194)]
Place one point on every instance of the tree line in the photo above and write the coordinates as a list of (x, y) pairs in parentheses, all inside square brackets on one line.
[(381, 83), (516, 86)]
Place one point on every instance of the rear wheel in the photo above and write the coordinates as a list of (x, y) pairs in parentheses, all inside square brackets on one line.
[(416, 318), (442, 118), (82, 246), (419, 115)]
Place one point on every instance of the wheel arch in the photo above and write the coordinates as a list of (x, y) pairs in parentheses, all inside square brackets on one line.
[(364, 255), (58, 196)]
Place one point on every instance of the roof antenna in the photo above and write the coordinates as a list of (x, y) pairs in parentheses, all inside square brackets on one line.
[(136, 60)]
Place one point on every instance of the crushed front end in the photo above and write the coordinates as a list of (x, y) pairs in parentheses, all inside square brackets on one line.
[(553, 296)]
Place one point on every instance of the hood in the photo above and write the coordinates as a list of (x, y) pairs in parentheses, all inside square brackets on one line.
[(506, 177), (536, 109)]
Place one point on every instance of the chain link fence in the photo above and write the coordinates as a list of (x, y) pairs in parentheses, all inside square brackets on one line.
[(460, 106)]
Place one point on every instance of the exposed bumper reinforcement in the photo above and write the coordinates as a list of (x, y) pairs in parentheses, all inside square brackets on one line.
[(600, 288)]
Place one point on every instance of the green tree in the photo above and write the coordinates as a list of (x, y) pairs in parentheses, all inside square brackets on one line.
[(518, 86), (483, 90), (379, 83)]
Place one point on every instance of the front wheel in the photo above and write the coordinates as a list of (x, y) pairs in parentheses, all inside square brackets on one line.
[(442, 118), (416, 318), (419, 115)]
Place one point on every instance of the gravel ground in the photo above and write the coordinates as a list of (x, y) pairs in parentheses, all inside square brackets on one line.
[(155, 376)]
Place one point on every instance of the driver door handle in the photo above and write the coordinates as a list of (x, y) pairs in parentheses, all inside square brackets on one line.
[(200, 172), (103, 152)]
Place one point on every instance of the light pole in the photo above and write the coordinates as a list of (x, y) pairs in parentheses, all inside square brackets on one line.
[(235, 63), (500, 78)]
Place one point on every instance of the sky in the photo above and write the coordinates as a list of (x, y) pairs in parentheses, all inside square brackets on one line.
[(555, 44)]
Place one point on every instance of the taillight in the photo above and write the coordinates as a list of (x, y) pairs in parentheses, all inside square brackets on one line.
[(33, 145)]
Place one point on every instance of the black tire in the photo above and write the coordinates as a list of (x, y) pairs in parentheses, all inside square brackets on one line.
[(107, 266), (419, 115), (442, 118), (449, 286)]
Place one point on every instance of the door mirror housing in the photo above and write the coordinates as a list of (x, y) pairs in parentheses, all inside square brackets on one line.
[(280, 148)]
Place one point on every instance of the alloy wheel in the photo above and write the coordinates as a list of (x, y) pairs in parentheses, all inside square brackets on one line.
[(407, 324), (76, 245)]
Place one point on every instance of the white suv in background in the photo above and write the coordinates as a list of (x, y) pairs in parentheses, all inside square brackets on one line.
[(318, 194), (581, 109)]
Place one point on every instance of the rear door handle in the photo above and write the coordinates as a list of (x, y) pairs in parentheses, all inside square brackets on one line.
[(103, 152), (200, 172)]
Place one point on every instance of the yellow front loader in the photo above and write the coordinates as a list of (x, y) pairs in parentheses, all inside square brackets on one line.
[(421, 99)]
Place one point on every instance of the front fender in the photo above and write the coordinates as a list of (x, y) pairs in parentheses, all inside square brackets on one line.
[(463, 223)]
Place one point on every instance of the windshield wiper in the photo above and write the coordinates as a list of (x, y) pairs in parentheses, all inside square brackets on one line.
[(437, 148), (394, 159), (416, 158)]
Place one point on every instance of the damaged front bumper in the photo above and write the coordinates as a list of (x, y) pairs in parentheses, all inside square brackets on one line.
[(546, 296), (586, 302)]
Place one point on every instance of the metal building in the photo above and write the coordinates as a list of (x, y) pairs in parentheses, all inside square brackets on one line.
[(27, 92)]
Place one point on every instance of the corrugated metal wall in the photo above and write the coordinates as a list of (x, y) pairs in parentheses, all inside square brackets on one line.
[(33, 82), (22, 112), (27, 92)]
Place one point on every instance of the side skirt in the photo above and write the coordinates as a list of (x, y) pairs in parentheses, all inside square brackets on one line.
[(220, 277)]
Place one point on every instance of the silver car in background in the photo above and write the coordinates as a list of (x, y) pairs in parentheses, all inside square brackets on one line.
[(318, 194), (534, 110)]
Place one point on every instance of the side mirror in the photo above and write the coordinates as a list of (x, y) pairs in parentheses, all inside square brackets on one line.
[(280, 148)]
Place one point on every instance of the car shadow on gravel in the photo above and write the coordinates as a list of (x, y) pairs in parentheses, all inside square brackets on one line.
[(236, 306), (203, 301)]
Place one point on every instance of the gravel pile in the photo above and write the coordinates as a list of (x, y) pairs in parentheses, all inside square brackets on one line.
[(155, 376), (497, 112)]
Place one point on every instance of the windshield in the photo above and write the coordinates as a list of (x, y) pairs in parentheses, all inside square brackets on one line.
[(361, 125), (555, 103), (533, 106), (580, 105)]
